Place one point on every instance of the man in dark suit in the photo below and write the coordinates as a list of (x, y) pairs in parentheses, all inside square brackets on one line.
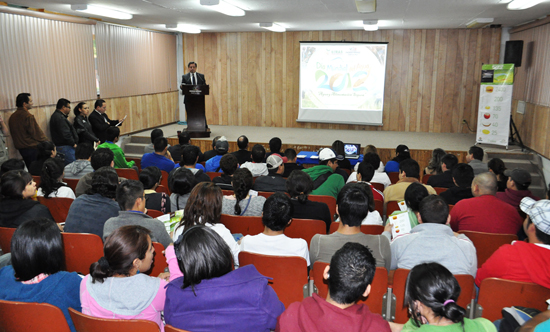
[(193, 78), (100, 121)]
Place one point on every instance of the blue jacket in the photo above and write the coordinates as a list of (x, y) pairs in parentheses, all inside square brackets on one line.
[(61, 289), (213, 164)]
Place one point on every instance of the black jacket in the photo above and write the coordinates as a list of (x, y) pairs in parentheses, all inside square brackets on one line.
[(84, 130), (100, 123), (13, 212), (62, 131), (270, 183), (243, 156), (455, 194), (443, 180)]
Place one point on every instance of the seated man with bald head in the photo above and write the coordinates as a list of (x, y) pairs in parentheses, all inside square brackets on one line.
[(484, 212)]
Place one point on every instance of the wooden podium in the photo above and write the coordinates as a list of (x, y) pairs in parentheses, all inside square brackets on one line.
[(194, 106)]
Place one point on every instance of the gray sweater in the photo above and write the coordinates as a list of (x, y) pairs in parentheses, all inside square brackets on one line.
[(255, 207), (158, 231)]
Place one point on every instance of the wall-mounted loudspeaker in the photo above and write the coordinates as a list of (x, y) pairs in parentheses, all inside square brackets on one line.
[(513, 52)]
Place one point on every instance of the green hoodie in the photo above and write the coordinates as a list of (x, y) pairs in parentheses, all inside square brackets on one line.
[(332, 185)]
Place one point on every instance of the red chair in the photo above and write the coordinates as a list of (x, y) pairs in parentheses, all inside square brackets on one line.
[(28, 317), (365, 229), (154, 213), (394, 177), (496, 294), (425, 178), (6, 234), (379, 206), (127, 173), (71, 183), (227, 192), (392, 206), (136, 160), (245, 225), (487, 243), (212, 175), (58, 206), (379, 287), (85, 323), (451, 206), (328, 200), (378, 186), (162, 189), (164, 181), (170, 328), (81, 250), (305, 229), (440, 190), (347, 171), (288, 273), (159, 262)]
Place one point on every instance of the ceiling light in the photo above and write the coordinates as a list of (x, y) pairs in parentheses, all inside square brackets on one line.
[(183, 28), (523, 4), (365, 6), (479, 23), (102, 11), (223, 7), (370, 25), (272, 27)]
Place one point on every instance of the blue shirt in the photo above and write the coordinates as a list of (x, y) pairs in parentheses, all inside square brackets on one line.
[(153, 159)]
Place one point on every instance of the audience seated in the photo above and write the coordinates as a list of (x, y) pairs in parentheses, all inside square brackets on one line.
[(160, 158), (16, 205), (497, 167), (181, 181), (229, 165), (100, 158), (242, 155), (189, 159), (484, 212), (205, 208), (211, 153), (150, 178), (431, 294), (131, 199), (401, 153), (379, 176), (274, 182), (517, 187), (277, 215), (184, 140), (221, 147), (213, 296), (463, 175), (155, 133), (82, 165), (353, 208), (291, 164), (89, 212), (46, 150), (414, 194), (275, 145), (37, 271), (365, 173), (474, 158), (434, 165), (349, 278), (12, 165), (299, 185), (116, 289), (112, 136), (325, 180), (444, 179), (257, 167), (338, 148), (409, 172), (522, 261), (434, 241), (50, 180), (242, 203)]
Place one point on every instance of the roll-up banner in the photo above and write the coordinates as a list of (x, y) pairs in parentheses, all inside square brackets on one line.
[(495, 104)]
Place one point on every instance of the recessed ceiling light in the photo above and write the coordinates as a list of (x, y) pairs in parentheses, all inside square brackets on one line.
[(523, 4), (272, 27), (223, 7), (186, 28), (102, 11), (479, 23), (370, 25)]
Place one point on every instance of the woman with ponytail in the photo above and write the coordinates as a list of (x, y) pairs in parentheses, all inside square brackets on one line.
[(431, 293), (117, 288), (50, 180), (242, 203), (299, 185)]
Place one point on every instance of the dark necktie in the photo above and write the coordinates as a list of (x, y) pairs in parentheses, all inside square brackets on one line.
[(193, 79)]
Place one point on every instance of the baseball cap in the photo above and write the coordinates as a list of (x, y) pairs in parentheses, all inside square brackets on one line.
[(538, 212), (520, 176), (326, 154), (222, 145), (274, 161)]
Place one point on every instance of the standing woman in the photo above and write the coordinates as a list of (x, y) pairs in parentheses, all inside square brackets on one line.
[(82, 125)]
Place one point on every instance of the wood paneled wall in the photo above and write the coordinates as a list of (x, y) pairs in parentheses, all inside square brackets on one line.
[(432, 76), (533, 126), (145, 111)]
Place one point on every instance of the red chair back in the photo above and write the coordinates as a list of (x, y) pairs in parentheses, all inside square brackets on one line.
[(328, 200), (347, 171), (288, 273), (379, 206), (305, 229), (425, 178), (58, 206), (394, 177), (212, 175), (440, 190), (365, 229), (392, 206), (451, 206), (164, 182), (162, 189), (159, 263), (265, 194), (154, 213), (487, 243), (136, 160), (246, 225), (378, 186), (127, 173), (85, 323), (170, 328), (81, 250), (227, 192), (28, 317), (71, 183), (6, 234)]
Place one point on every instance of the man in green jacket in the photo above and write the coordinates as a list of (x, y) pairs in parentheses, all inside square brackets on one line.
[(325, 181), (120, 159)]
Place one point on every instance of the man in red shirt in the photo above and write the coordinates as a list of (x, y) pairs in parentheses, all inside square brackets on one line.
[(484, 212), (521, 261)]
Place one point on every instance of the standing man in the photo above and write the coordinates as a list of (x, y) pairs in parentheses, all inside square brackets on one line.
[(25, 132), (193, 78), (64, 135), (100, 121)]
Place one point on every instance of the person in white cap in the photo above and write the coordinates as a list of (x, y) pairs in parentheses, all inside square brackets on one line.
[(522, 261), (274, 182), (325, 181)]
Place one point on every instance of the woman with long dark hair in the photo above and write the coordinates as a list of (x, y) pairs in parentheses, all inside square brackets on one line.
[(50, 180), (434, 166), (82, 125), (181, 181), (242, 203)]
